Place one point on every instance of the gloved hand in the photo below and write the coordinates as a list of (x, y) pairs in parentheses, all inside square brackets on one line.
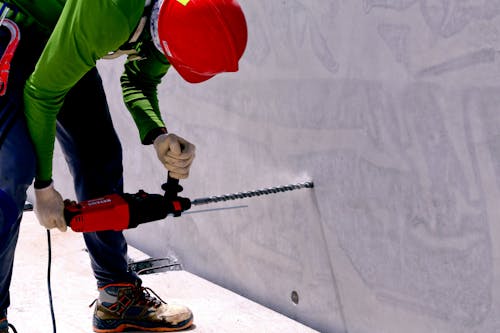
[(175, 153), (49, 208)]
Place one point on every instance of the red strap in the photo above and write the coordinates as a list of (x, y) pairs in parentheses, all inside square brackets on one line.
[(15, 36)]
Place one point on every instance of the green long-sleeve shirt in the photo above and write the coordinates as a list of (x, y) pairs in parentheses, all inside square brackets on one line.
[(81, 32)]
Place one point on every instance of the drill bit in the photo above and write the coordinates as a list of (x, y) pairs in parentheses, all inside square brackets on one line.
[(249, 194)]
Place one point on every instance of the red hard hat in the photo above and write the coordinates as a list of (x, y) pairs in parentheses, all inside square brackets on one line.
[(200, 38)]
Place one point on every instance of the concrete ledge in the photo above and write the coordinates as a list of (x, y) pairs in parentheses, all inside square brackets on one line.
[(73, 286)]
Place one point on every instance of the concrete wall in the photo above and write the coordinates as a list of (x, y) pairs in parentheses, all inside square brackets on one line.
[(392, 108)]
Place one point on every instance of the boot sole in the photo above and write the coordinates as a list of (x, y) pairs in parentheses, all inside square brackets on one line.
[(131, 327)]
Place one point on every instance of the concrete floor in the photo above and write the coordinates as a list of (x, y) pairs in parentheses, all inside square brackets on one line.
[(216, 309)]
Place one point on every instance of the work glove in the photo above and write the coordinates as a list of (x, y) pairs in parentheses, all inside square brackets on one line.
[(49, 208), (175, 153)]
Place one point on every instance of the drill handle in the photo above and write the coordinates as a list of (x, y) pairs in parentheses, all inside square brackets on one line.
[(71, 210), (171, 187)]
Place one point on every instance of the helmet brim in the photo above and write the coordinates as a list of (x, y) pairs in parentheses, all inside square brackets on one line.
[(192, 77)]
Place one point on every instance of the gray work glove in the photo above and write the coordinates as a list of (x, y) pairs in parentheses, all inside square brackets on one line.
[(49, 208), (175, 153)]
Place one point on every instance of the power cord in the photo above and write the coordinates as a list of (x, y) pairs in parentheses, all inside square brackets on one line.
[(49, 264)]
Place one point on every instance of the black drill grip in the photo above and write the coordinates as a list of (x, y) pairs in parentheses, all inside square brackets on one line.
[(145, 207), (172, 189)]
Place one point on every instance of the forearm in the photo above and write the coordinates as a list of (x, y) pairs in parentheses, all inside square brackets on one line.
[(40, 116), (142, 103)]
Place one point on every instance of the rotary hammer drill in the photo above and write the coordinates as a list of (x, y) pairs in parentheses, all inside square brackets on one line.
[(125, 211)]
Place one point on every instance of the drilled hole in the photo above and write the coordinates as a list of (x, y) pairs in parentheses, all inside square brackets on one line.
[(295, 297)]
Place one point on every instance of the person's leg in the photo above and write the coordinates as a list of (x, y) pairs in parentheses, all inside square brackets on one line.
[(93, 152), (17, 170), (17, 157)]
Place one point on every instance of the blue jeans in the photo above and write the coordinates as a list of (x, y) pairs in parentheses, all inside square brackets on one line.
[(93, 153)]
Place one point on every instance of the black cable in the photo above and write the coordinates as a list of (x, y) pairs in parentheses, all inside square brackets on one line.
[(48, 282)]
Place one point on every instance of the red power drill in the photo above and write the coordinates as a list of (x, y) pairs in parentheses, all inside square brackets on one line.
[(125, 211)]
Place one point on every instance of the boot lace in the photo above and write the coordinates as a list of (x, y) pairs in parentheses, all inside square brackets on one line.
[(142, 296), (146, 296)]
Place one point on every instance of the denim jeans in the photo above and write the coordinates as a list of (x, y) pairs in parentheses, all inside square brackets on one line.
[(92, 150)]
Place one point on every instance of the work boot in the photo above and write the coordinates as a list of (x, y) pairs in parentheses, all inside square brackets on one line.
[(4, 326), (125, 307)]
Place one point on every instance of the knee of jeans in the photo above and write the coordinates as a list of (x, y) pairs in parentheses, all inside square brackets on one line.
[(17, 175), (8, 211), (24, 178)]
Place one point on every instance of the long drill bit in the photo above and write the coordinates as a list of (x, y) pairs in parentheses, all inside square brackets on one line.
[(249, 194)]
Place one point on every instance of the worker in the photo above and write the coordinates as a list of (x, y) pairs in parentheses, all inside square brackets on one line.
[(54, 90)]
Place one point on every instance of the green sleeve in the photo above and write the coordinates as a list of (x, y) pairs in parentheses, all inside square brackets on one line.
[(85, 31), (139, 84)]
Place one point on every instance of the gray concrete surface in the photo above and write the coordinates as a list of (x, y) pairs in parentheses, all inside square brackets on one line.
[(392, 108), (73, 287)]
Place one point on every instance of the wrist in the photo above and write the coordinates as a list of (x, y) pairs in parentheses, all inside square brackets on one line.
[(42, 184), (153, 134)]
